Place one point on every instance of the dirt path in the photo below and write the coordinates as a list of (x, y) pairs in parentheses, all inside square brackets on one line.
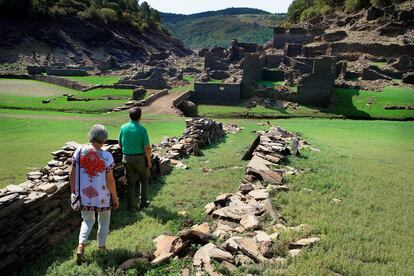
[(163, 105)]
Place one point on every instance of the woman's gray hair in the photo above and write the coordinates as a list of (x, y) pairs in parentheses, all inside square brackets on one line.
[(98, 133)]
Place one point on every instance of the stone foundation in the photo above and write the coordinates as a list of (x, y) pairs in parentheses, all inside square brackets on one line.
[(216, 94)]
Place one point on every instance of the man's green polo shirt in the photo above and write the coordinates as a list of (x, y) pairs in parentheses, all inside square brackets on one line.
[(133, 137)]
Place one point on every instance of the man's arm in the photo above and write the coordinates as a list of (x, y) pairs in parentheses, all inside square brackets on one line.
[(148, 153)]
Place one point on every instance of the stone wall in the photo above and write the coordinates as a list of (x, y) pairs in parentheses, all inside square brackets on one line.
[(273, 60), (316, 88), (282, 36), (253, 67), (273, 75), (213, 62), (59, 81), (66, 72), (216, 93), (303, 65), (181, 98), (155, 97), (293, 49), (351, 51), (37, 213)]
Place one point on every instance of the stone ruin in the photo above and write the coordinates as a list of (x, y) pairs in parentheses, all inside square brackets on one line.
[(37, 213), (311, 59), (238, 233)]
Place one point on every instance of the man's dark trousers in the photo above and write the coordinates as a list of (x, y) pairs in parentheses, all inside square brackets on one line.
[(136, 171)]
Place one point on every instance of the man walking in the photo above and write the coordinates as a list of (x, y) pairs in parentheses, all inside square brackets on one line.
[(136, 150)]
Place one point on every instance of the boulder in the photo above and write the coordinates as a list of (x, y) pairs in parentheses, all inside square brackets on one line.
[(374, 13), (188, 108), (138, 93), (408, 78)]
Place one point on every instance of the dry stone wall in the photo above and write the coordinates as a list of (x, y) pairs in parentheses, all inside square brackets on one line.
[(37, 213), (239, 234), (59, 81), (215, 93)]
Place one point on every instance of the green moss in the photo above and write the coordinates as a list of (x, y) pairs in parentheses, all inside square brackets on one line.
[(106, 80)]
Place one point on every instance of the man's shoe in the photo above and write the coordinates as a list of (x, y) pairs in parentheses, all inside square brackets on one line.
[(144, 205)]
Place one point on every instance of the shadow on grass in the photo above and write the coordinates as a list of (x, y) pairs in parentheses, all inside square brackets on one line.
[(64, 251), (344, 104)]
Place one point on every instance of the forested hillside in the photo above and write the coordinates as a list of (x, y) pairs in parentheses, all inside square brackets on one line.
[(140, 16), (301, 10), (220, 27), (81, 32)]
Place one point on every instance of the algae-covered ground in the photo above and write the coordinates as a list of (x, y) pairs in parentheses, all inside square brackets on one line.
[(366, 164)]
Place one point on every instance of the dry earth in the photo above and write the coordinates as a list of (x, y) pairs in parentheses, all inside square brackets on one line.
[(30, 88)]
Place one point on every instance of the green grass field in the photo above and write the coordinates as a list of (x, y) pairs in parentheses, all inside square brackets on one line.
[(28, 94), (349, 103), (366, 164), (30, 133), (96, 79), (184, 88)]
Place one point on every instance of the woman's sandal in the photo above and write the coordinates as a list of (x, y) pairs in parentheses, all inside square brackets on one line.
[(102, 249), (80, 254)]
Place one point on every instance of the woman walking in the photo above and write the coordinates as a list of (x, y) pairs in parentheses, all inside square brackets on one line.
[(93, 183)]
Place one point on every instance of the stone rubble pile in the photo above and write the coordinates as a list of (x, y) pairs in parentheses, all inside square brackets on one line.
[(200, 132), (37, 213), (237, 235)]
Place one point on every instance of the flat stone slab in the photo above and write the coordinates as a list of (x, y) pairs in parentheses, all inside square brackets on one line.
[(236, 212), (262, 236), (16, 189), (251, 249), (304, 242), (163, 245), (260, 194), (249, 221), (48, 188), (204, 228)]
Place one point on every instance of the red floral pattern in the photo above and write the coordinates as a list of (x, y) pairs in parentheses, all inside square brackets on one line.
[(92, 163), (90, 192)]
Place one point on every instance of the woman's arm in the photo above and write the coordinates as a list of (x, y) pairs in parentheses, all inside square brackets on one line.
[(72, 179), (110, 181)]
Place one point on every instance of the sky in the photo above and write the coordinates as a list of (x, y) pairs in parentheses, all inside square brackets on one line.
[(195, 6)]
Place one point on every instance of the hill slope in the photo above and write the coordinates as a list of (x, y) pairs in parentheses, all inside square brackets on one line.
[(81, 33), (220, 27)]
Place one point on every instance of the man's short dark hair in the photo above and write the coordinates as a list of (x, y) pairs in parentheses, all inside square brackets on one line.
[(135, 113)]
